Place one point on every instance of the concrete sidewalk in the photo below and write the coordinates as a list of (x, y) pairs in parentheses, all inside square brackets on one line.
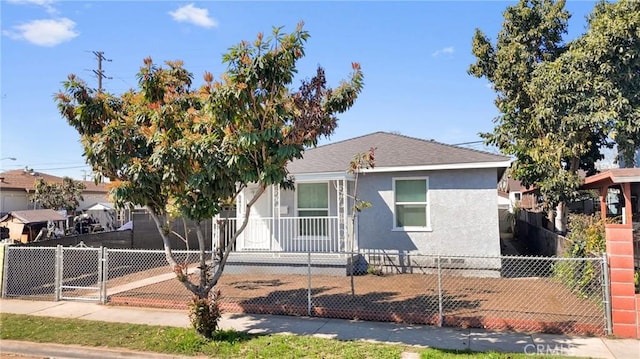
[(415, 335)]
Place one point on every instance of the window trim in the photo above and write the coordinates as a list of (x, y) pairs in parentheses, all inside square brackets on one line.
[(328, 209), (313, 209), (427, 205)]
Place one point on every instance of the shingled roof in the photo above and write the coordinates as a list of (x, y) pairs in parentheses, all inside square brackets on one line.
[(393, 151), (25, 180), (37, 216)]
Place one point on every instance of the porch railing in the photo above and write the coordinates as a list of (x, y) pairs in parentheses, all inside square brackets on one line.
[(288, 234)]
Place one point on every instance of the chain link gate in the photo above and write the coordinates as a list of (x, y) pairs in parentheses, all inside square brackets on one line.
[(80, 274)]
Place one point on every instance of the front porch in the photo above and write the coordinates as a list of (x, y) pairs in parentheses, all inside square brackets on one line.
[(284, 234), (313, 218)]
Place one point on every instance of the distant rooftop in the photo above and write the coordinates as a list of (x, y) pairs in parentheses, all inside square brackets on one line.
[(25, 180)]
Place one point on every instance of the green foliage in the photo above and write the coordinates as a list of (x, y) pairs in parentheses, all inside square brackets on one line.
[(586, 233), (560, 103), (636, 280), (587, 238), (66, 195), (204, 314)]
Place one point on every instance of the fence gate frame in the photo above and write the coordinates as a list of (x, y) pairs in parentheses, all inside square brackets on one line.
[(101, 284)]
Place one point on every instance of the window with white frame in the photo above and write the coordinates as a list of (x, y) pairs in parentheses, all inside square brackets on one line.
[(313, 201), (411, 204)]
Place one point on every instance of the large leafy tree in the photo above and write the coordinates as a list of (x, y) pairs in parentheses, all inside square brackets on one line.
[(178, 149), (531, 35), (610, 52), (65, 195), (559, 102)]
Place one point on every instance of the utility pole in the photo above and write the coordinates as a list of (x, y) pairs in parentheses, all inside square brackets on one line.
[(99, 72)]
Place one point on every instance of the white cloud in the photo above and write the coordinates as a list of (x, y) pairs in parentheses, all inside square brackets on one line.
[(444, 51), (46, 4), (194, 15), (48, 32)]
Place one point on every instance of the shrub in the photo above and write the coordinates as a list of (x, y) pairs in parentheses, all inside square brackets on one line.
[(587, 239), (204, 314)]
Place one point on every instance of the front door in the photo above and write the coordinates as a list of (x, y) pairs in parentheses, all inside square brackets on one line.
[(257, 235)]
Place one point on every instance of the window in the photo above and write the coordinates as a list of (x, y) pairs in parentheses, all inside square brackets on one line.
[(411, 204), (313, 201)]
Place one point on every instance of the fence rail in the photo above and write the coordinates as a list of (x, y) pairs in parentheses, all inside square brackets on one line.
[(542, 294)]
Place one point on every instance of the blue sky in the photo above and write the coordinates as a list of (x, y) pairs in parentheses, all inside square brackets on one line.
[(414, 56)]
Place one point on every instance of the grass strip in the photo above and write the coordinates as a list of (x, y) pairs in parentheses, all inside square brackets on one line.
[(226, 344)]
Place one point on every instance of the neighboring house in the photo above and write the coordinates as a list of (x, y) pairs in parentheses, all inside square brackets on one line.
[(24, 226), (17, 186), (517, 195), (427, 197)]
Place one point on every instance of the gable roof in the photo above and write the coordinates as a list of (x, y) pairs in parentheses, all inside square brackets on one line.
[(100, 206), (37, 215), (25, 181), (394, 153)]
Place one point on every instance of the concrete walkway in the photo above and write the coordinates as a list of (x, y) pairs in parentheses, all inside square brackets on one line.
[(423, 336)]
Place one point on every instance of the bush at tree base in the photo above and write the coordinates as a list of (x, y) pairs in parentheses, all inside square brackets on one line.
[(204, 314)]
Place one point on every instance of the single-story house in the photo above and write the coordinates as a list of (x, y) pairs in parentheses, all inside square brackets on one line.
[(24, 226), (17, 186), (426, 197)]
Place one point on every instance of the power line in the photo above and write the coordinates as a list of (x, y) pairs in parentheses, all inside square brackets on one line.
[(467, 143), (62, 168)]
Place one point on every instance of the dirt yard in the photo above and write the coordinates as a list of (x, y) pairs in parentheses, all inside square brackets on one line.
[(519, 304)]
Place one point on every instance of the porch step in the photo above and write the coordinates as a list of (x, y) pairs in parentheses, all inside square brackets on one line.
[(287, 263)]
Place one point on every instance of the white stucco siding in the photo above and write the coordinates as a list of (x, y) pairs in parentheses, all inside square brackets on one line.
[(14, 201), (18, 200), (463, 214)]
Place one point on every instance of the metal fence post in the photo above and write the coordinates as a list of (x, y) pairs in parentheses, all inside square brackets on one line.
[(607, 294), (5, 269), (58, 273), (103, 274), (440, 306), (309, 281)]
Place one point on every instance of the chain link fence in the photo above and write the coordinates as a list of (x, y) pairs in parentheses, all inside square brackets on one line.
[(538, 294)]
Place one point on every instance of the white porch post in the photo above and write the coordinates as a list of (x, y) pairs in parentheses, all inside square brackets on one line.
[(353, 245), (343, 225), (275, 218), (339, 207), (215, 240), (240, 217)]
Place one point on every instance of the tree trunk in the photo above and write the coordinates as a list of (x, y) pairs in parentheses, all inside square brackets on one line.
[(561, 218)]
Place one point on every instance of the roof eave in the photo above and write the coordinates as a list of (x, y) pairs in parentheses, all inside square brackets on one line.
[(321, 176), (439, 167)]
